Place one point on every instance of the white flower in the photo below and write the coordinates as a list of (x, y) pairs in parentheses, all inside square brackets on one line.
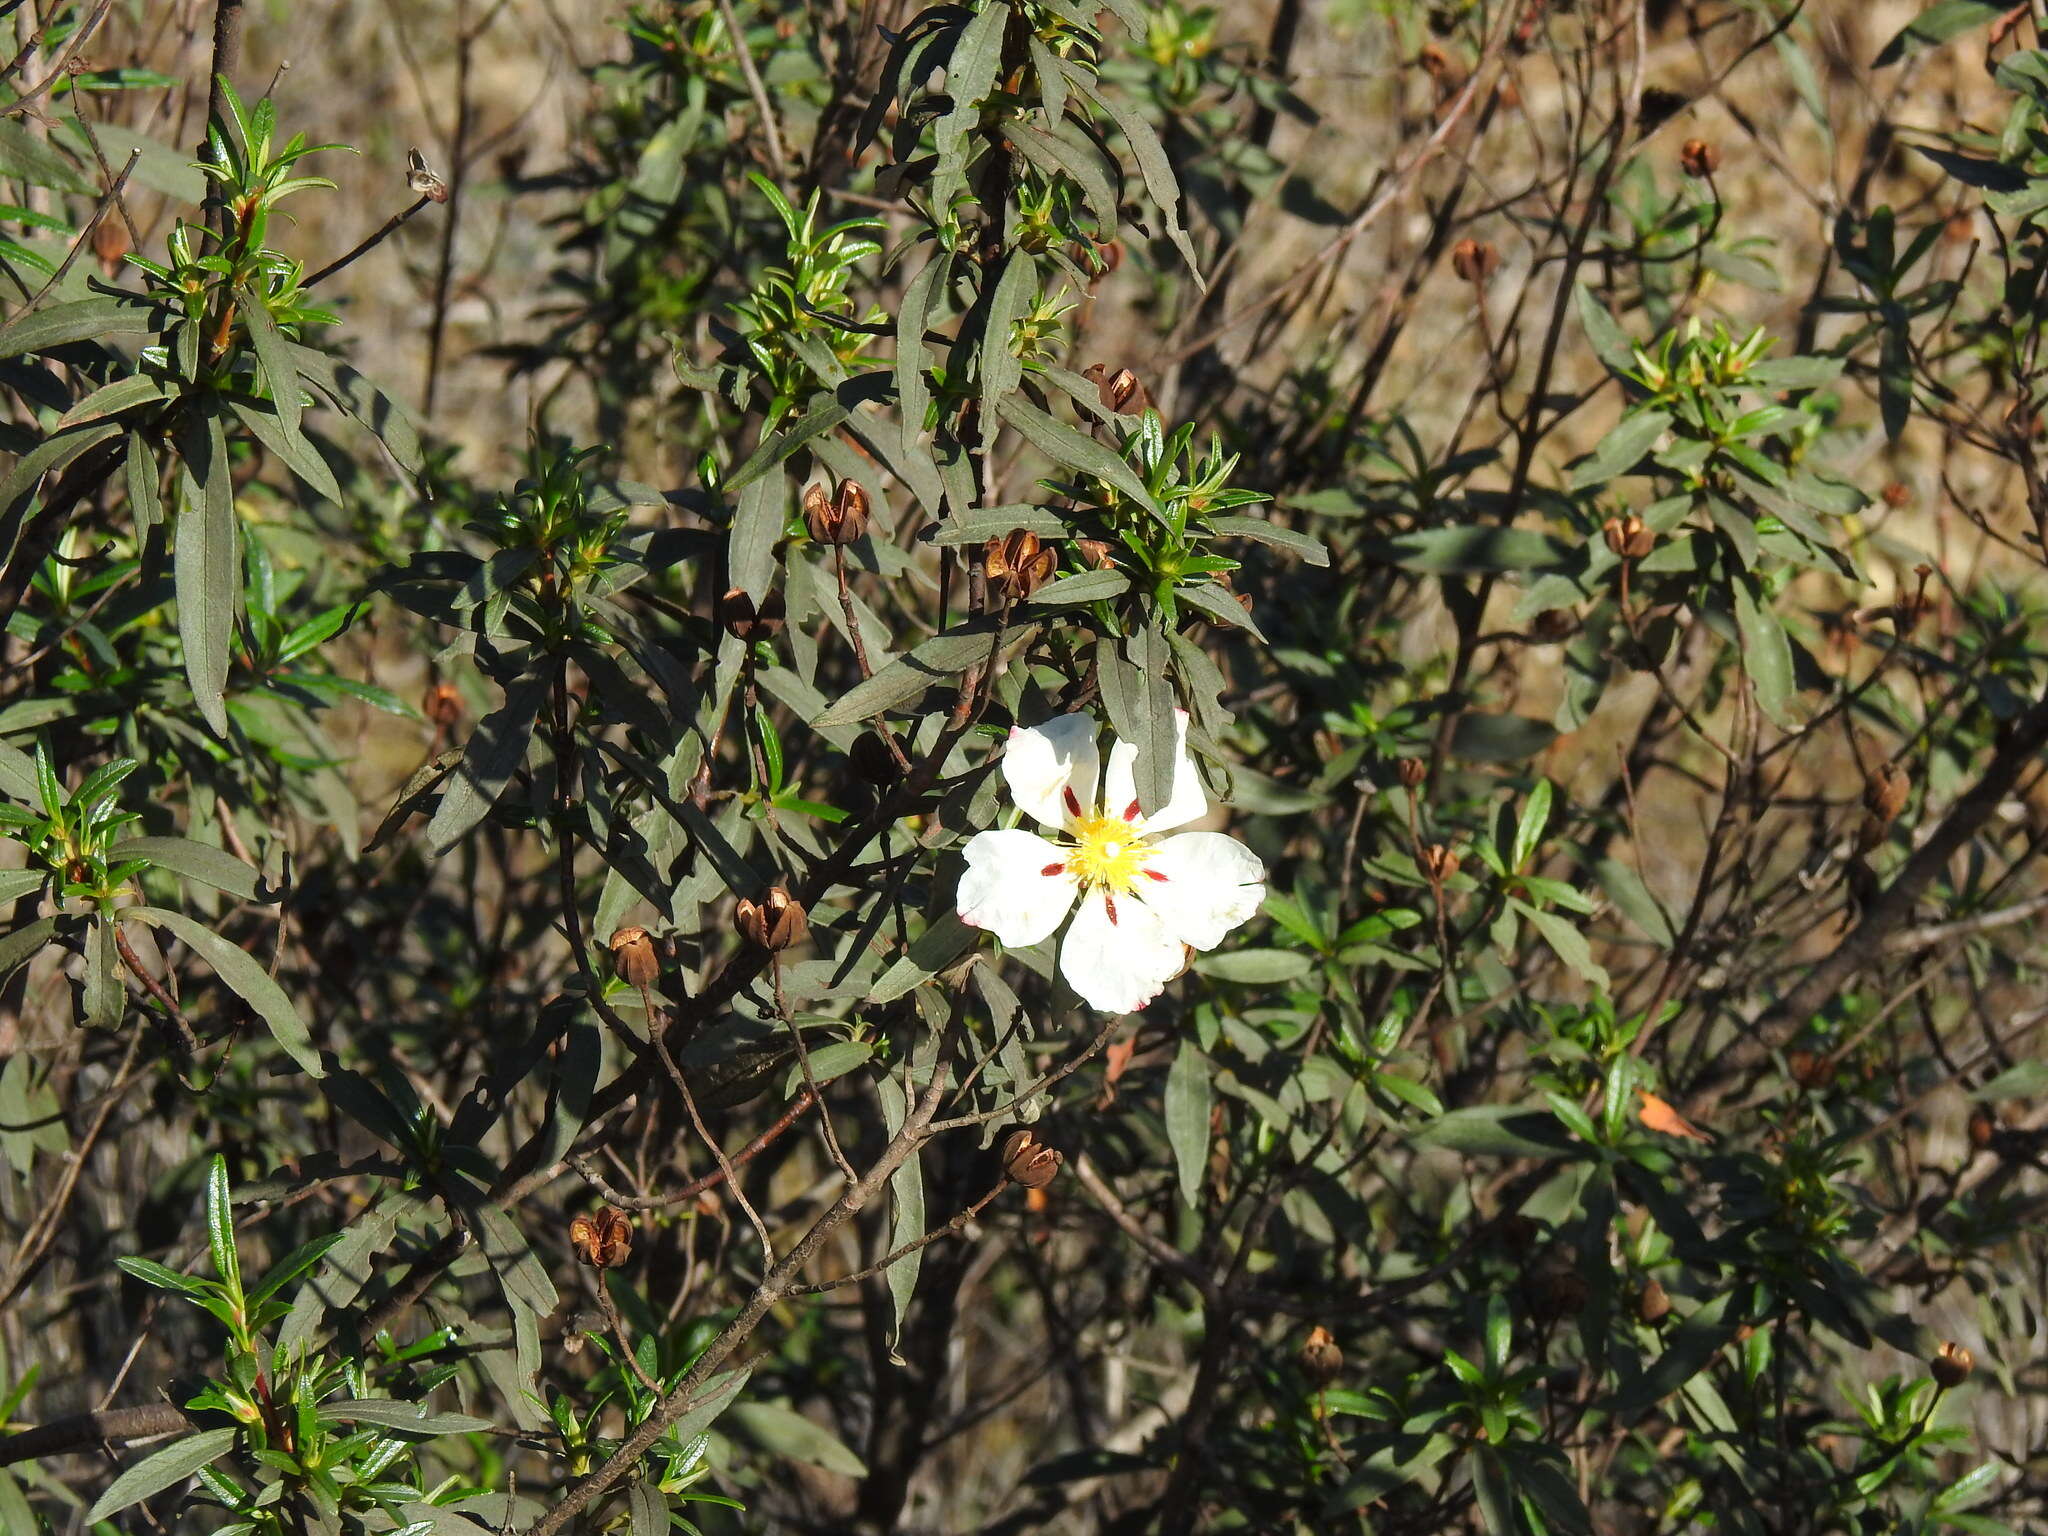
[(1146, 900)]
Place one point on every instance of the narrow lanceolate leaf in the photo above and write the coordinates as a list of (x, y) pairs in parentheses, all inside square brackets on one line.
[(1074, 450), (162, 1469), (205, 560), (907, 677), (46, 458), (195, 861), (145, 486), (220, 1225), (1001, 369), (24, 942), (1766, 653), (1188, 1098), (494, 755), (1260, 531), (104, 995), (1157, 170), (906, 1201), (245, 978), (411, 1418), (123, 395), (275, 356), (970, 76), (58, 325), (1139, 698), (1082, 587), (756, 525), (293, 449), (357, 397), (913, 389)]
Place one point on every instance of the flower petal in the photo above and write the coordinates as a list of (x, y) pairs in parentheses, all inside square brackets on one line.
[(1120, 793), (1118, 965), (1016, 885), (1052, 769), (1202, 885)]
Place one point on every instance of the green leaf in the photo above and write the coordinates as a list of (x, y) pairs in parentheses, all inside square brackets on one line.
[(491, 759), (59, 325), (356, 397), (1483, 738), (220, 1226), (1611, 344), (161, 1469), (1529, 832), (245, 978), (1696, 1342), (1074, 450), (206, 566), (976, 525), (124, 394), (1153, 166), (1632, 898), (24, 942), (1000, 368), (409, 1418), (786, 1433), (294, 450), (1497, 1130), (194, 861), (1494, 1492), (1256, 967), (1937, 24), (275, 356), (1260, 531), (756, 524), (1139, 698), (1766, 653), (907, 677), (1189, 1096), (1567, 941), (906, 1211), (1470, 551), (1621, 449), (104, 995)]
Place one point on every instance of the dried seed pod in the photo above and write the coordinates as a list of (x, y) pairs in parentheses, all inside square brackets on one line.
[(110, 243), (774, 922), (1553, 625), (872, 761), (1557, 1291), (1414, 771), (1629, 537), (1439, 862), (1096, 554), (840, 518), (1885, 792), (422, 181), (442, 705), (1474, 260), (1698, 158), (1017, 565), (1951, 1365), (739, 615), (1896, 494), (1982, 1128), (1121, 391), (1319, 1358), (602, 1238), (1809, 1069), (1029, 1161), (634, 957), (1653, 1303)]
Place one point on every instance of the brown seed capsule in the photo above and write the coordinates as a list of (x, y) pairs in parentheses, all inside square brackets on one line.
[(840, 518), (602, 1238), (1628, 536), (110, 243), (1809, 1069), (1029, 1161), (1319, 1358), (1553, 625), (774, 922), (872, 761), (1439, 862), (1951, 1365), (1121, 391), (1096, 554), (1413, 771), (1698, 158), (1885, 792), (1557, 1292), (739, 616), (442, 705), (1982, 1128), (1474, 260), (1653, 1303), (1017, 565), (422, 181), (634, 957), (1896, 494)]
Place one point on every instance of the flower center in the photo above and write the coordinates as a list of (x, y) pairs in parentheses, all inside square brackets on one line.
[(1107, 852)]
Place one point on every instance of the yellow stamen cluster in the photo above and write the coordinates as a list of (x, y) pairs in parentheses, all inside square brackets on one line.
[(1108, 852)]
